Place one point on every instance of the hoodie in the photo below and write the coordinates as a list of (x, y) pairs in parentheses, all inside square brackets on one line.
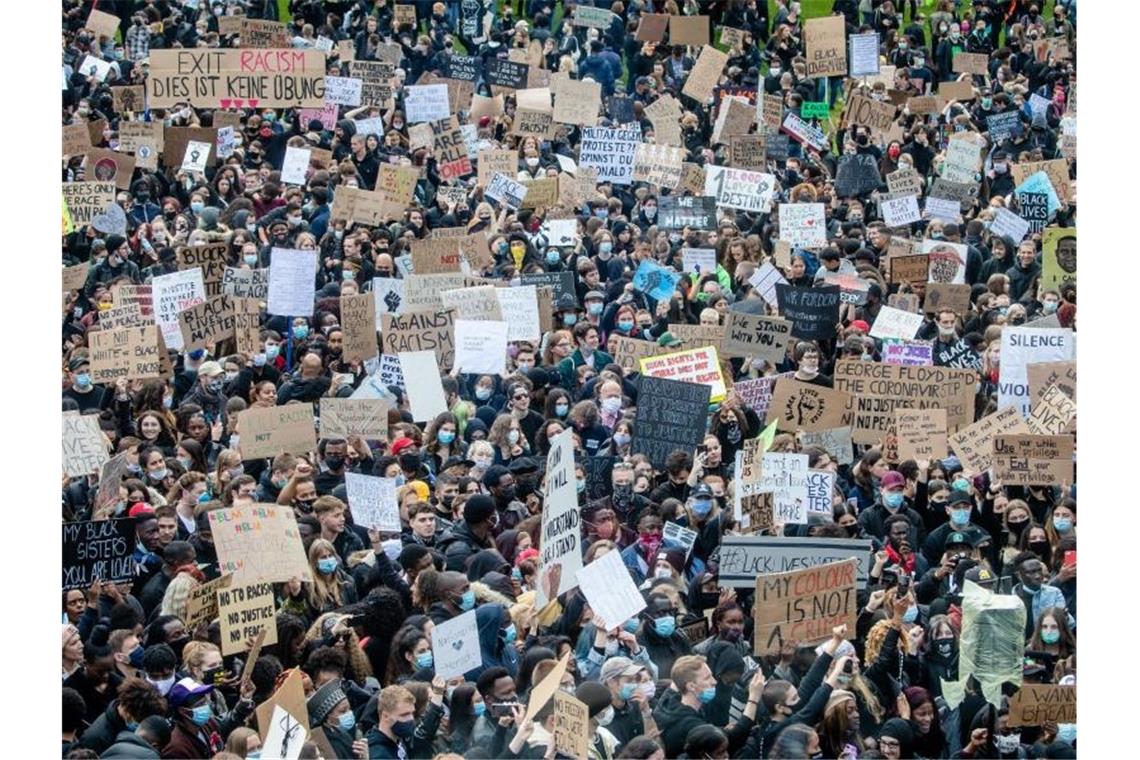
[(493, 646)]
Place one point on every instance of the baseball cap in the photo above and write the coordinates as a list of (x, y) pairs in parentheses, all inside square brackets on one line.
[(185, 691), (957, 538), (210, 368), (400, 444), (619, 666), (893, 480), (981, 575), (861, 326), (702, 491), (668, 339)]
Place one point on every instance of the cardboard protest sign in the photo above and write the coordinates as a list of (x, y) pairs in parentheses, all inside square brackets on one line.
[(757, 392), (259, 542), (520, 310), (505, 74), (658, 165), (276, 430), (481, 346), (748, 151), (895, 323), (905, 182), (127, 99), (284, 714), (422, 383), (577, 102), (797, 406), (571, 724), (1024, 460), (373, 500), (292, 281), (705, 73), (262, 34), (210, 258), (1058, 256), (695, 365), (1043, 375), (98, 549), (375, 80), (420, 332), (426, 103), (493, 162), (904, 301), (1036, 704), (173, 293), (878, 389), (803, 225), (757, 336), (825, 46), (1056, 170), (76, 140), (973, 445), (561, 555), (734, 117), (689, 30), (127, 315), (862, 111), (103, 24), (629, 352), (608, 588), (951, 297), (74, 277), (455, 646), (209, 322), (506, 191), (84, 200), (651, 27), (1053, 414), (947, 261), (129, 353), (814, 312), (342, 417), (743, 558), (1019, 347), (670, 416), (358, 323), (245, 609), (477, 303), (268, 78), (611, 152), (803, 606), (202, 607), (738, 188), (921, 433), (110, 166)]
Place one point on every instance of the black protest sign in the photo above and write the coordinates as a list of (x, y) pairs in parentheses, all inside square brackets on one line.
[(559, 282), (671, 415), (675, 212), (1033, 208), (814, 311), (462, 67), (620, 109), (776, 146), (99, 549), (958, 355), (857, 174), (599, 472), (1004, 125), (504, 73)]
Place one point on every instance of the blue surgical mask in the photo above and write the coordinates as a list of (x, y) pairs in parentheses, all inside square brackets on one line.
[(664, 626), (1049, 307), (628, 690), (83, 380), (702, 507), (602, 213), (271, 351), (326, 565), (605, 246), (516, 574), (510, 633), (708, 695), (347, 721), (961, 484), (594, 307), (911, 614), (159, 474), (625, 325), (348, 274), (580, 485), (552, 257), (201, 715), (482, 393), (259, 360), (478, 709), (251, 260), (467, 601), (446, 436), (569, 319), (630, 625), (168, 402), (621, 439), (1062, 524), (301, 332), (1050, 637), (959, 516), (893, 500), (561, 409), (197, 206)]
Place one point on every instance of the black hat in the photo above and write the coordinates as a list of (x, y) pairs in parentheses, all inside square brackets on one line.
[(960, 497), (523, 466), (315, 125), (829, 253), (323, 701), (957, 538), (77, 362), (702, 491), (565, 302), (596, 697), (981, 575), (478, 508)]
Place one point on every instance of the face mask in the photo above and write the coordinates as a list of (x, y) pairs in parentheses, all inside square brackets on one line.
[(602, 213), (467, 601), (605, 247), (945, 647), (1001, 168), (513, 436), (893, 500), (581, 486), (510, 633), (326, 565), (569, 319), (478, 709), (482, 393), (1062, 524), (959, 516), (650, 212), (595, 308), (201, 715), (774, 72), (1007, 745), (1050, 637), (163, 685), (702, 507), (83, 380), (552, 257), (1049, 307), (919, 63), (197, 206), (445, 437), (606, 716), (708, 695), (157, 475), (347, 721), (400, 480), (301, 332), (561, 409), (664, 626), (271, 352), (627, 691), (251, 260), (404, 729), (216, 386), (1067, 732), (621, 439), (961, 484), (911, 614), (1040, 548)]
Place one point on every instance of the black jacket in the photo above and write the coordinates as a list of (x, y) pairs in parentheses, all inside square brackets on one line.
[(105, 730), (129, 744), (459, 543)]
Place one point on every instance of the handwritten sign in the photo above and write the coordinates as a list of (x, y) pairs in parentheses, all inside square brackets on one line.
[(212, 78), (1033, 460), (803, 606), (277, 430), (259, 542), (98, 549), (244, 610)]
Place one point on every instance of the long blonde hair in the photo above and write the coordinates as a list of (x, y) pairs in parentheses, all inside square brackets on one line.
[(325, 590)]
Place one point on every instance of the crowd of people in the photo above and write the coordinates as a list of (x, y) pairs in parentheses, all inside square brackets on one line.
[(138, 681)]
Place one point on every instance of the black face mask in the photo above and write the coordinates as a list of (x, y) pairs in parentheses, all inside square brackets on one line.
[(334, 462), (1017, 528), (852, 530), (622, 496), (507, 494), (945, 648), (1040, 548), (383, 272), (178, 645), (305, 506)]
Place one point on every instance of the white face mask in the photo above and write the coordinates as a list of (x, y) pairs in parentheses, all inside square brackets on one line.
[(606, 716), (164, 686), (513, 436)]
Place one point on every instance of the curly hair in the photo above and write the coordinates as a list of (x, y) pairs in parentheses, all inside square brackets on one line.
[(140, 699), (358, 667)]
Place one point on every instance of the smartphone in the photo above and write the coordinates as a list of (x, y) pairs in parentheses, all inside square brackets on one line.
[(502, 709), (1070, 557), (346, 378), (904, 586), (702, 449), (849, 667)]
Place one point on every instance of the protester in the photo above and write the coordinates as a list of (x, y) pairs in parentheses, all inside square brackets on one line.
[(534, 386)]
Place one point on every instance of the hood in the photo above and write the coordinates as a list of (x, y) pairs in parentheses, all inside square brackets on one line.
[(348, 125), (900, 730), (484, 562), (486, 594), (724, 657)]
